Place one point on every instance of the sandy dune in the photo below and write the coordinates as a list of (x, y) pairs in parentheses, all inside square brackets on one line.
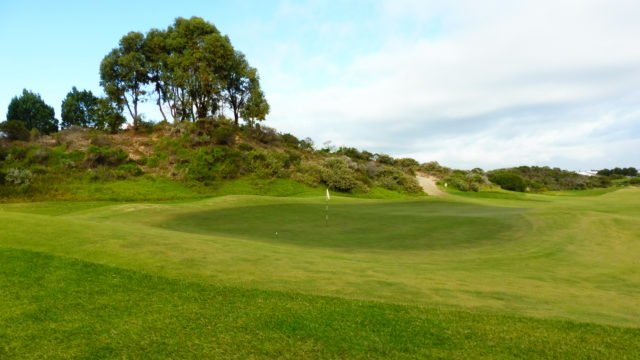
[(429, 186)]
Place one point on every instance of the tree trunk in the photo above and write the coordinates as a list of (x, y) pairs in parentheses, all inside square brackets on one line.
[(160, 108)]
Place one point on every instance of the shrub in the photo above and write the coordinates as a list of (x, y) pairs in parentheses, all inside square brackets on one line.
[(98, 139), (19, 177), (145, 127), (245, 147), (508, 181), (407, 163), (15, 130), (337, 174), (290, 140), (105, 156), (211, 164), (309, 174), (38, 155), (306, 144), (224, 135), (355, 154), (128, 170), (384, 159), (435, 169), (264, 134)]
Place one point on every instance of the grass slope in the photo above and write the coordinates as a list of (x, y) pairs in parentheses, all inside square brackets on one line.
[(62, 308)]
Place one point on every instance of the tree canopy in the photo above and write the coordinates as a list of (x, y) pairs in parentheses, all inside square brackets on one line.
[(33, 112), (190, 69), (79, 108)]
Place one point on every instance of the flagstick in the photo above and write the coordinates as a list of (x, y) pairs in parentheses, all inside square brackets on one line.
[(326, 210), (326, 217)]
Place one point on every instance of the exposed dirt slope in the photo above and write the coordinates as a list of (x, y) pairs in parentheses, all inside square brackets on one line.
[(429, 186)]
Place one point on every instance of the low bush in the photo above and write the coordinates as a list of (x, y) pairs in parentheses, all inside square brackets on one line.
[(15, 130), (338, 175), (125, 171), (290, 140), (212, 164), (18, 177), (224, 135), (104, 156), (394, 179), (508, 181), (435, 169)]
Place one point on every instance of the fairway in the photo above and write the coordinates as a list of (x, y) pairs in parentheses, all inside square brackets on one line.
[(560, 268)]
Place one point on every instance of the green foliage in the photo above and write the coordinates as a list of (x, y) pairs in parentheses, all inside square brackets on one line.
[(224, 135), (18, 177), (125, 171), (104, 156), (355, 154), (407, 163), (630, 171), (308, 173), (79, 108), (123, 74), (508, 180), (108, 117), (466, 180), (290, 140), (538, 178), (435, 169), (338, 174), (263, 134), (15, 130), (384, 159), (245, 147), (33, 112), (394, 179), (256, 106), (190, 67), (212, 164)]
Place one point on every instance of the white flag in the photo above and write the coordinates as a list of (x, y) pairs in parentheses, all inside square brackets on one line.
[(328, 196)]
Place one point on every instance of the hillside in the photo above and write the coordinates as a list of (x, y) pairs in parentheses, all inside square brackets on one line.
[(215, 157), (191, 159)]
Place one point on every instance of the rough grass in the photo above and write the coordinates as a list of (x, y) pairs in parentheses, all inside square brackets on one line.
[(62, 308)]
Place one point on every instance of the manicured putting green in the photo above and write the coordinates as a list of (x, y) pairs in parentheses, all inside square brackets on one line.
[(408, 225)]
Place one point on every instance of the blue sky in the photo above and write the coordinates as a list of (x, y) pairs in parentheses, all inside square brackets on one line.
[(466, 83)]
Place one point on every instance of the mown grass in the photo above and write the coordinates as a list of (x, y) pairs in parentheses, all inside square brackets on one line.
[(55, 307), (517, 268)]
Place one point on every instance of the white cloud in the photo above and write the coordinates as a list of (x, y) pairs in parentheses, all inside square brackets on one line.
[(503, 84)]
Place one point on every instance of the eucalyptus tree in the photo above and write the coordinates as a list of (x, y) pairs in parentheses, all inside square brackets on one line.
[(196, 54), (191, 68), (156, 54), (239, 80), (123, 74), (255, 107)]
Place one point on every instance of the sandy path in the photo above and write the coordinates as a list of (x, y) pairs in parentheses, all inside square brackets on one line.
[(429, 186)]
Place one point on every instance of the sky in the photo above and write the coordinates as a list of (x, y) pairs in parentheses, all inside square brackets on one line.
[(488, 84)]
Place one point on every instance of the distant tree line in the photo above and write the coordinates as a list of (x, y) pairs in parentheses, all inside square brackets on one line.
[(630, 171)]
